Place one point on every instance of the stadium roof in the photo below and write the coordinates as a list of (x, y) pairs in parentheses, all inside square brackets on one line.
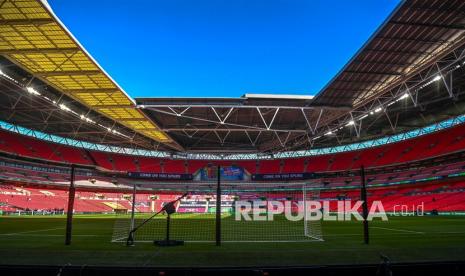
[(35, 39), (231, 124), (416, 34), (278, 96), (420, 41)]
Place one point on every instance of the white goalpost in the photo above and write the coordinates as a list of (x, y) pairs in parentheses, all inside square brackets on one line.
[(312, 228)]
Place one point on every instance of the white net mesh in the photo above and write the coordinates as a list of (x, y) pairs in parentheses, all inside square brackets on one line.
[(249, 213)]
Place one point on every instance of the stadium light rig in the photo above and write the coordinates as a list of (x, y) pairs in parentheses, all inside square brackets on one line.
[(435, 79), (62, 106), (3, 74), (350, 123), (87, 119), (384, 106), (363, 117), (31, 90), (376, 110), (405, 96)]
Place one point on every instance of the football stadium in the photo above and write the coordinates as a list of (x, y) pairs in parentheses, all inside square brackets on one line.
[(365, 176)]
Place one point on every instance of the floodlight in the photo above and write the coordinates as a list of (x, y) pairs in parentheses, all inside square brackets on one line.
[(31, 90), (64, 107), (403, 96)]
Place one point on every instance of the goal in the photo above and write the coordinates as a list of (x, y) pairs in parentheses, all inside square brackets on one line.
[(250, 212)]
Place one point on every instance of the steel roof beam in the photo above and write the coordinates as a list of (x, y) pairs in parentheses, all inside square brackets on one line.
[(103, 106), (29, 21), (92, 90), (40, 50), (67, 73), (415, 40), (429, 25), (236, 130), (308, 107), (373, 73), (403, 52)]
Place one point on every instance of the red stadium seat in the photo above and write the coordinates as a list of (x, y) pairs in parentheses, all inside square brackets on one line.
[(294, 165), (174, 166), (269, 166)]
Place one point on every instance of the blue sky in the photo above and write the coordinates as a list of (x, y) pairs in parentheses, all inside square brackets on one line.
[(218, 48)]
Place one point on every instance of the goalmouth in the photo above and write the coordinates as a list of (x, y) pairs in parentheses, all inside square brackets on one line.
[(251, 212)]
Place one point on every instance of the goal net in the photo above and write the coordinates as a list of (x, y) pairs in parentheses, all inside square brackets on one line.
[(271, 213), (249, 213)]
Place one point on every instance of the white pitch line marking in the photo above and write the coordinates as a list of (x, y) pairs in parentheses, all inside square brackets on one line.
[(53, 235), (398, 230), (33, 231)]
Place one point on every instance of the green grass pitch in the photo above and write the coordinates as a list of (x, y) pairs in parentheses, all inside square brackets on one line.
[(40, 240)]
